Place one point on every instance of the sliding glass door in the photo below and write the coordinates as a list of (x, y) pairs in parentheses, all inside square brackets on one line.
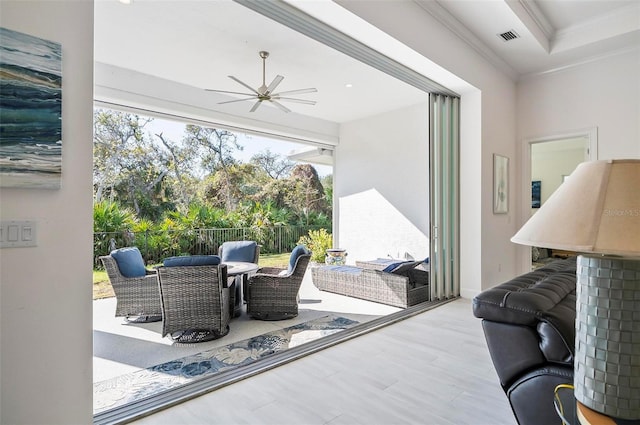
[(444, 126)]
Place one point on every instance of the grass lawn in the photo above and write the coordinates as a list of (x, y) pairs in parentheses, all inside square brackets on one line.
[(102, 288)]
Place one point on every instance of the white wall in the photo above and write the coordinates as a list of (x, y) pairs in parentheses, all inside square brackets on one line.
[(45, 292), (604, 94), (487, 126), (381, 185), (549, 167)]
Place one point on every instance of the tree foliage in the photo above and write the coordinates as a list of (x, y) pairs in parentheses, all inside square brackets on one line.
[(197, 181)]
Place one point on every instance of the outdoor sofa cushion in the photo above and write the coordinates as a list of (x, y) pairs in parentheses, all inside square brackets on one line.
[(129, 261), (239, 251), (191, 260)]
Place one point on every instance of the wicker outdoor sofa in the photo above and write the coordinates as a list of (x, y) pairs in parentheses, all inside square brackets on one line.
[(406, 286)]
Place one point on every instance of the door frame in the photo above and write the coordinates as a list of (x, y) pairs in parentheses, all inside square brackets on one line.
[(524, 210)]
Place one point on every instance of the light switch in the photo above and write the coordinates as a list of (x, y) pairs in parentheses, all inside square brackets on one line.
[(26, 233), (12, 233), (18, 233)]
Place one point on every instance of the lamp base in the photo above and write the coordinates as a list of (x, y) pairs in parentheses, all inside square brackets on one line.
[(607, 358)]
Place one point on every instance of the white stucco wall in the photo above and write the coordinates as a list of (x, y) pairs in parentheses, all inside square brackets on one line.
[(45, 291), (381, 186)]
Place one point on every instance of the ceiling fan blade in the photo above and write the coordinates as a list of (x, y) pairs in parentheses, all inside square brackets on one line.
[(299, 91), (274, 84), (230, 92), (244, 84), (291, 99), (255, 106), (280, 105), (237, 100)]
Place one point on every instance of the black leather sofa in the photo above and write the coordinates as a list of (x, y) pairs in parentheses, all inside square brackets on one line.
[(529, 325)]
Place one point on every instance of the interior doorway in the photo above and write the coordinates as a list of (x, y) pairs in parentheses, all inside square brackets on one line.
[(551, 162)]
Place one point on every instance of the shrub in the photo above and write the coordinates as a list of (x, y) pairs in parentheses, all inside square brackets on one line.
[(318, 241)]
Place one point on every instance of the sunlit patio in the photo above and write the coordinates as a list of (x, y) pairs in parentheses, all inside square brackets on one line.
[(121, 348)]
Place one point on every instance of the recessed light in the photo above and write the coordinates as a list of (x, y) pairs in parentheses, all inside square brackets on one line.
[(126, 1), (348, 85)]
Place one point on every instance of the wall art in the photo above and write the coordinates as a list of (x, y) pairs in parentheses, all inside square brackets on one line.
[(500, 184), (30, 111)]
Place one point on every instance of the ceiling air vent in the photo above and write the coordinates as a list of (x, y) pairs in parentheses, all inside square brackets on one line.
[(509, 35)]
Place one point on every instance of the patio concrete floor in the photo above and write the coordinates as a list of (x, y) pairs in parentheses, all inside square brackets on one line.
[(120, 347)]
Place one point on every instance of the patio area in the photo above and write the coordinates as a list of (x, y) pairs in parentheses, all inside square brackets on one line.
[(121, 348)]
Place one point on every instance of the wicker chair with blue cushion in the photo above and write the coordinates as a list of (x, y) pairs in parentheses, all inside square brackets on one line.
[(244, 251), (135, 287), (194, 297), (272, 293)]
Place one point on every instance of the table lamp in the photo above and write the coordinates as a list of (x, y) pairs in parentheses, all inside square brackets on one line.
[(596, 212)]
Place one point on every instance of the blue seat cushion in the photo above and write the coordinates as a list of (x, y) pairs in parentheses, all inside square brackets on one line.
[(129, 261), (239, 251), (297, 251), (343, 269), (191, 260)]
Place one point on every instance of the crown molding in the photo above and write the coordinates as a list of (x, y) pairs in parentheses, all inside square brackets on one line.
[(596, 58), (536, 22), (616, 23), (455, 26)]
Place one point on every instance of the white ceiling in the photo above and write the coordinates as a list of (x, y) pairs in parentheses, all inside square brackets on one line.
[(200, 43)]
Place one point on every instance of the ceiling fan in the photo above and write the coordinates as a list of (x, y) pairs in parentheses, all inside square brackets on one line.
[(265, 92)]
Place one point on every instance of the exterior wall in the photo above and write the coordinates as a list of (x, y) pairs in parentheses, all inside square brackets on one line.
[(381, 192), (45, 291)]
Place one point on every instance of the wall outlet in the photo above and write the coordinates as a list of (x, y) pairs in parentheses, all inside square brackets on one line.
[(18, 233)]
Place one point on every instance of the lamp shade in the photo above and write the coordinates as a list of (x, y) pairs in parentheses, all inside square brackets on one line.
[(597, 209)]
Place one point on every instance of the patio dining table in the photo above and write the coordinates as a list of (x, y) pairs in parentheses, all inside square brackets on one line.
[(241, 271)]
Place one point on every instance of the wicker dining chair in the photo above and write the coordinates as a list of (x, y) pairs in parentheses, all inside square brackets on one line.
[(137, 298), (272, 294), (195, 302), (247, 252)]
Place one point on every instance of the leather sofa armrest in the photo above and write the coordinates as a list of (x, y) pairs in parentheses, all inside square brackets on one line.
[(513, 349)]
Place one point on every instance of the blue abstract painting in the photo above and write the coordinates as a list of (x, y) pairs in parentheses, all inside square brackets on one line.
[(30, 111)]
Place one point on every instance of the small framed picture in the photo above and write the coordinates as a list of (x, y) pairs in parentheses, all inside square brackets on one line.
[(500, 184), (536, 187)]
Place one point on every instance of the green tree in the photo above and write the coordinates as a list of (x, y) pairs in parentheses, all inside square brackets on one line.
[(273, 164), (216, 148), (128, 167)]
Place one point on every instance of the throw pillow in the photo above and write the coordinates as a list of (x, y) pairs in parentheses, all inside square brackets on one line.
[(191, 260), (129, 261), (403, 268), (391, 267)]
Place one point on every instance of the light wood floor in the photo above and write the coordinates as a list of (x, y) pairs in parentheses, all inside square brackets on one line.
[(433, 368)]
